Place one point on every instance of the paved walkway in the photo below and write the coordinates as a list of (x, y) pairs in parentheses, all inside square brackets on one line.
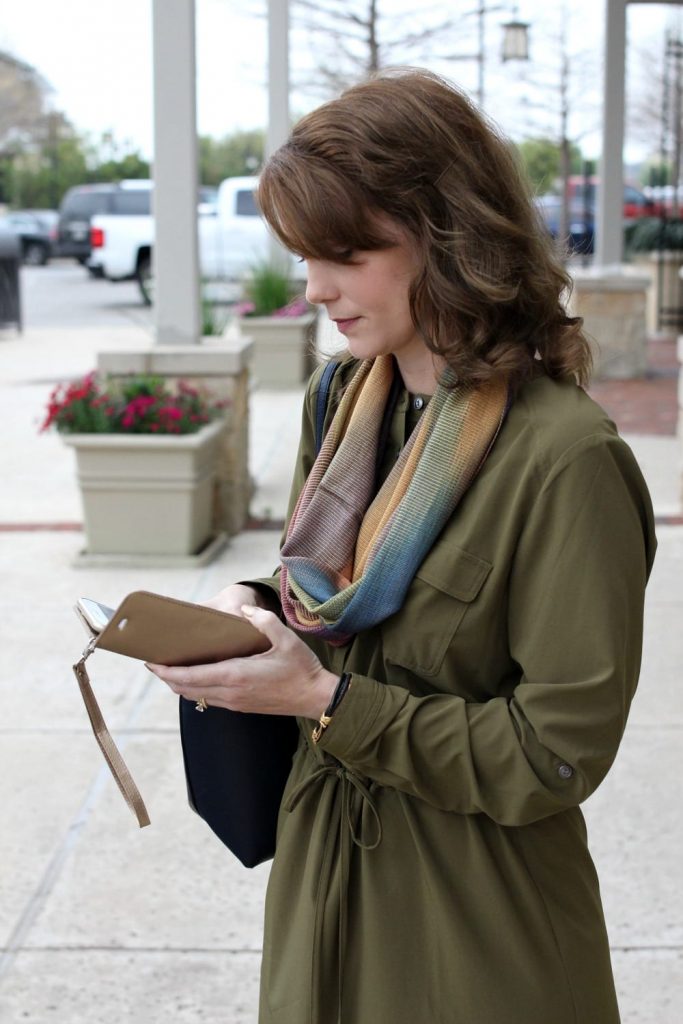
[(103, 923), (649, 405)]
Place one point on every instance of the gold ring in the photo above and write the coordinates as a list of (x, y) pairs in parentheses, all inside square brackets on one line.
[(201, 704)]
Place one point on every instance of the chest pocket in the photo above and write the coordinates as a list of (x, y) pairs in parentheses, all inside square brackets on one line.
[(418, 636)]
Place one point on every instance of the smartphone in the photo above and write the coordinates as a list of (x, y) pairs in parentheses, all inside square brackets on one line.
[(93, 615)]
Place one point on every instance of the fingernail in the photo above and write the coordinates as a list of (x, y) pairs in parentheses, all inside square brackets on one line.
[(248, 609)]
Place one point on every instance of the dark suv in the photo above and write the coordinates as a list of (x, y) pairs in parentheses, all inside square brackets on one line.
[(84, 201)]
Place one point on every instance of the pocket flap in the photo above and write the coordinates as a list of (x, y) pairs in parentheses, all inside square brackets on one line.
[(455, 572)]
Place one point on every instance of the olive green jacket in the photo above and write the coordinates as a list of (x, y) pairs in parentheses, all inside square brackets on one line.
[(432, 865)]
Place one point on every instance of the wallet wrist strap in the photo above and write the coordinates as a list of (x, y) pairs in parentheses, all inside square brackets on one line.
[(117, 766)]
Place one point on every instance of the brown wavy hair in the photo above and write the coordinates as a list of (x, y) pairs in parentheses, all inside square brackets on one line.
[(489, 296)]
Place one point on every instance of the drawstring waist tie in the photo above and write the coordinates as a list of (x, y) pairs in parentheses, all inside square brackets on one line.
[(355, 823)]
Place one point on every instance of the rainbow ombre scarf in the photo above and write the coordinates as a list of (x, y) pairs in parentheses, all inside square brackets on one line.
[(350, 555)]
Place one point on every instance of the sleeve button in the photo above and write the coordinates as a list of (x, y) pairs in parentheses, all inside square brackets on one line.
[(565, 771)]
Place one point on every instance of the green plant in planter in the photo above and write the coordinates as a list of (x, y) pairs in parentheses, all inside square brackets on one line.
[(135, 405), (214, 318), (269, 291), (650, 234)]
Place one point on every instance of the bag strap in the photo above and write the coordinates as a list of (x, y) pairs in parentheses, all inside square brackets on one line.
[(117, 766), (321, 401)]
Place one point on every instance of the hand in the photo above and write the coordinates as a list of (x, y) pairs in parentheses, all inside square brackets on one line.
[(288, 679), (233, 598)]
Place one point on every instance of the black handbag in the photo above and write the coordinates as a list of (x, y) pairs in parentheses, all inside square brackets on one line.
[(236, 766)]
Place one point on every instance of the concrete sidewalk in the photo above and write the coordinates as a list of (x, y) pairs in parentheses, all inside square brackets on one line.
[(103, 923)]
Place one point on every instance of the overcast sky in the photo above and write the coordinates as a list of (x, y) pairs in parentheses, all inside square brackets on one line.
[(96, 54)]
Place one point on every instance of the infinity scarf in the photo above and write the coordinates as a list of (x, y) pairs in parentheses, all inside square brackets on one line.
[(350, 555)]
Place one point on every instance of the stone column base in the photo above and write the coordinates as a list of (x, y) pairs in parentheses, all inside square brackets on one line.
[(666, 290), (612, 302), (680, 411), (221, 366)]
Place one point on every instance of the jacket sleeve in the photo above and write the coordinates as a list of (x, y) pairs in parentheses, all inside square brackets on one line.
[(576, 591)]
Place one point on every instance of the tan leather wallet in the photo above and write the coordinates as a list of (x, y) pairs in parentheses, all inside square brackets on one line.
[(165, 631)]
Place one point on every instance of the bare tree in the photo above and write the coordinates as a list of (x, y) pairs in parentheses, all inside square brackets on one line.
[(561, 100), (652, 84), (646, 94), (25, 97), (353, 39), (656, 103)]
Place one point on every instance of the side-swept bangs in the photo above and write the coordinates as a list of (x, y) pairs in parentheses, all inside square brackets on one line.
[(314, 211), (408, 150)]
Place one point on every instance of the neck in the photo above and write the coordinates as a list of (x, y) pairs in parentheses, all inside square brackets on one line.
[(420, 374)]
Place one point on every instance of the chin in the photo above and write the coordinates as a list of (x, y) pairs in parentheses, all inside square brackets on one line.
[(365, 349)]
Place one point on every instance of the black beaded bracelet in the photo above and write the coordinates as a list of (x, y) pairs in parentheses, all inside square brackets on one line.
[(340, 691)]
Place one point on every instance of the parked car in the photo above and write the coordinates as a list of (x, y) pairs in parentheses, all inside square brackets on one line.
[(36, 231), (82, 202), (582, 200), (636, 203), (232, 238), (666, 199), (581, 222)]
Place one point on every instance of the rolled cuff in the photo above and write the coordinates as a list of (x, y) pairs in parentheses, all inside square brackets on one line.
[(354, 719)]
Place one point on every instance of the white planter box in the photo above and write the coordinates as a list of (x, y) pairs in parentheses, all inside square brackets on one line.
[(147, 495), (283, 349)]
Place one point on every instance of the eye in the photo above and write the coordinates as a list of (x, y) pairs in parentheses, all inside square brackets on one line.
[(344, 256)]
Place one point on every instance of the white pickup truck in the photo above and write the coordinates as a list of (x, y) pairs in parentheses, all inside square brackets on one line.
[(232, 237)]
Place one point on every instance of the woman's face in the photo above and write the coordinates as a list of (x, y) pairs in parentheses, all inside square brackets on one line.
[(368, 298)]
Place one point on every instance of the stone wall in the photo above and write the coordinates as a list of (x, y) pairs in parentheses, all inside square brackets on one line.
[(613, 306), (222, 367), (666, 290)]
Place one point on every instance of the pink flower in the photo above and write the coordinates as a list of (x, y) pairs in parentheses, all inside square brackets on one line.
[(297, 307), (164, 411)]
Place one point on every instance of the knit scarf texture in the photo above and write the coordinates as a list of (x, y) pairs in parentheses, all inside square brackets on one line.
[(350, 554)]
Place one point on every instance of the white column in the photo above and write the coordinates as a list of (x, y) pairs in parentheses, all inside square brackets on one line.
[(278, 74), (278, 92), (609, 231), (176, 250)]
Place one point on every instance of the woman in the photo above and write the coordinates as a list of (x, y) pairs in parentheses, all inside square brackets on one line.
[(457, 621)]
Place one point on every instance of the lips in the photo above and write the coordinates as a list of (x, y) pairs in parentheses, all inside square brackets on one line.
[(345, 325)]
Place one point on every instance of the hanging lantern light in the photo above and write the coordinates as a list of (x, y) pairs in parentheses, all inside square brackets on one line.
[(515, 41)]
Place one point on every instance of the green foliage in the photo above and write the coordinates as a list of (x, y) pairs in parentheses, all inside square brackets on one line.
[(39, 175), (138, 405), (656, 173), (650, 234), (268, 289), (111, 160), (37, 179), (541, 158), (214, 318), (132, 165), (233, 156)]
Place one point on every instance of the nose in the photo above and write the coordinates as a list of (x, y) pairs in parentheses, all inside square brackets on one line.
[(320, 286)]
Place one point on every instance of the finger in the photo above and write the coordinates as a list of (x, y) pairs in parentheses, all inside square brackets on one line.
[(266, 622), (190, 678), (231, 607), (156, 669)]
